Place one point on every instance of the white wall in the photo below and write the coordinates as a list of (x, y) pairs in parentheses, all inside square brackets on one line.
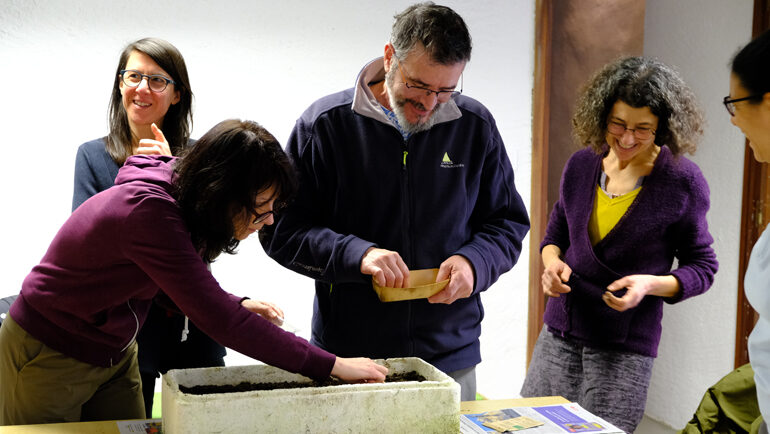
[(699, 38), (260, 60)]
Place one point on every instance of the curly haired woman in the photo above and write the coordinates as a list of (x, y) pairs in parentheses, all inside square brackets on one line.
[(629, 205)]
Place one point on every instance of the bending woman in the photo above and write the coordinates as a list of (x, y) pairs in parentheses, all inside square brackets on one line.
[(151, 91), (68, 350), (629, 205)]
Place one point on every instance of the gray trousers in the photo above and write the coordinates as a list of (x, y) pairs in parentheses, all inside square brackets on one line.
[(610, 384), (466, 378)]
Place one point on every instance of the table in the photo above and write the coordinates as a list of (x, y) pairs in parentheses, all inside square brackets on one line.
[(110, 427)]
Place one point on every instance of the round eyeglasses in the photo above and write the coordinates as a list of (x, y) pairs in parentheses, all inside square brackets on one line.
[(730, 103), (156, 83), (618, 129), (441, 95)]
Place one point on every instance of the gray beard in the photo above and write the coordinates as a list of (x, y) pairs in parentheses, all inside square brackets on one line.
[(398, 108)]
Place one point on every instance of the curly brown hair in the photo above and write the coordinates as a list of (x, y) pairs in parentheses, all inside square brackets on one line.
[(639, 82)]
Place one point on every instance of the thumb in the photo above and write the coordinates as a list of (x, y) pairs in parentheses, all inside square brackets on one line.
[(444, 272), (618, 284), (565, 274), (158, 133)]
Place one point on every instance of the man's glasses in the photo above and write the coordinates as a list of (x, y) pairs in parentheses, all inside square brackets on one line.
[(730, 103), (156, 83), (618, 129), (441, 95)]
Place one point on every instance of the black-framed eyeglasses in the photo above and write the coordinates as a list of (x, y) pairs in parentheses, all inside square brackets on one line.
[(441, 95), (156, 83), (730, 103), (618, 129), (259, 218)]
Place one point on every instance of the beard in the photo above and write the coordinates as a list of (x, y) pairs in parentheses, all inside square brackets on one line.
[(397, 104)]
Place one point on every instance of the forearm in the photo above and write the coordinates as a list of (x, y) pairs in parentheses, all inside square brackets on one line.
[(664, 286), (549, 254)]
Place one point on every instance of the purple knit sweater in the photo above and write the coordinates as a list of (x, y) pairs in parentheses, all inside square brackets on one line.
[(667, 220), (91, 291)]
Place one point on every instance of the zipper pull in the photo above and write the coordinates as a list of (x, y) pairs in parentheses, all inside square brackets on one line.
[(405, 154)]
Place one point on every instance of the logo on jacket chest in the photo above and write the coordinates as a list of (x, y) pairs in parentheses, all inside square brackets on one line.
[(447, 163)]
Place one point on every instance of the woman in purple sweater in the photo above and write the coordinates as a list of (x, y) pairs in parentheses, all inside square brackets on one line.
[(68, 349), (629, 205)]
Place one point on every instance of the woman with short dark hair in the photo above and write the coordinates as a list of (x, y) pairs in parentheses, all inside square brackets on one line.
[(68, 350)]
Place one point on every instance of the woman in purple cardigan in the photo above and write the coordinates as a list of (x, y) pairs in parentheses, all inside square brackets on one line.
[(629, 205), (68, 348)]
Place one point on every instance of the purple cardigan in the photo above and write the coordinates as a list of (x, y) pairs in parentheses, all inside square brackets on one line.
[(667, 220), (91, 291)]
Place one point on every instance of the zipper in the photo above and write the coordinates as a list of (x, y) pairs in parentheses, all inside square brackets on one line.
[(406, 235)]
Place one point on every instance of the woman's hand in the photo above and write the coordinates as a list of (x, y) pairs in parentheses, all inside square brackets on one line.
[(638, 286), (159, 146), (359, 370), (556, 273), (265, 309)]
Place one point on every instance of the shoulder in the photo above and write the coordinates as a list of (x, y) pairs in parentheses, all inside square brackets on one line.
[(680, 174), (324, 106), (582, 158), (93, 147), (472, 108)]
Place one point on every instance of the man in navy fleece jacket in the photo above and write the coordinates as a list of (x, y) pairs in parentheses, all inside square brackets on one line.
[(400, 173)]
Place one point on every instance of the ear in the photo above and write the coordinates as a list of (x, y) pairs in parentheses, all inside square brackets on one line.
[(388, 57), (177, 97)]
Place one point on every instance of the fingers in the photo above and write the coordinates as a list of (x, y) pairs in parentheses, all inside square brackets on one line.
[(358, 370), (618, 303), (619, 284), (159, 136), (159, 146), (552, 284), (386, 267), (459, 271)]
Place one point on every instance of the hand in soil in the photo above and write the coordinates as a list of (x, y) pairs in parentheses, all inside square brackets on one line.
[(358, 370)]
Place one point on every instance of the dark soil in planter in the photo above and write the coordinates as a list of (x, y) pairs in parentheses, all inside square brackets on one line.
[(247, 387)]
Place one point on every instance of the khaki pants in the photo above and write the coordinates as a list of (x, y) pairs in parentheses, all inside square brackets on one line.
[(41, 385)]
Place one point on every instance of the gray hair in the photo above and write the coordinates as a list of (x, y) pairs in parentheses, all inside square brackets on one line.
[(439, 29), (639, 82)]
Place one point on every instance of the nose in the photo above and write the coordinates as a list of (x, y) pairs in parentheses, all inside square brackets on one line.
[(144, 84), (628, 137), (268, 221), (732, 120), (429, 101)]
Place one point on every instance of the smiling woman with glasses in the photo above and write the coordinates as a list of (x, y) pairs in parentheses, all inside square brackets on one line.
[(750, 85), (629, 206), (150, 87)]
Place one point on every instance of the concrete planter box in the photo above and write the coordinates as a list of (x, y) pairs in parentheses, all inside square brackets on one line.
[(431, 406)]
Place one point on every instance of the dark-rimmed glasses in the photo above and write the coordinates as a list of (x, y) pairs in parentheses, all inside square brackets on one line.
[(730, 103), (618, 129), (156, 83), (441, 95), (259, 218)]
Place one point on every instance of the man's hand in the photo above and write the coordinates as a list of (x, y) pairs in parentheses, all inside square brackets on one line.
[(386, 266), (459, 271), (159, 146)]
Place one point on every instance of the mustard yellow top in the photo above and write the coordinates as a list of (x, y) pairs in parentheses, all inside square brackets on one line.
[(607, 212)]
